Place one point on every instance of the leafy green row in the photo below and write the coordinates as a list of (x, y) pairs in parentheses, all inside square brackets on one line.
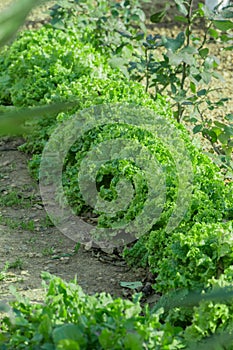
[(41, 64), (70, 319)]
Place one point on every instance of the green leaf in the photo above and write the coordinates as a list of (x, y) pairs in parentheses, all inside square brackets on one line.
[(230, 144), (201, 92), (197, 128), (219, 124), (189, 49), (228, 130), (174, 58), (187, 103), (45, 327), (229, 117), (213, 32), (192, 87), (131, 285), (204, 52), (229, 48), (218, 341), (173, 88), (181, 7), (187, 58), (223, 25), (115, 13), (193, 120), (206, 77), (223, 138), (158, 16), (225, 37), (210, 133), (174, 44), (106, 339), (218, 76), (70, 332), (133, 341), (68, 344), (217, 130), (181, 19), (120, 63)]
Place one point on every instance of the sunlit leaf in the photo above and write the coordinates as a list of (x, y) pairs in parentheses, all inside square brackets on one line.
[(214, 33), (223, 25), (131, 285), (211, 134), (181, 19), (192, 87), (181, 7)]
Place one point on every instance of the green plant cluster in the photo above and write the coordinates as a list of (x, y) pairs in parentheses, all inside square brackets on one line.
[(186, 69), (54, 64), (182, 67), (41, 65), (192, 258), (108, 20), (70, 319)]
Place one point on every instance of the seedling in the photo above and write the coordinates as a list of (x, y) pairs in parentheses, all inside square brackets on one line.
[(16, 264)]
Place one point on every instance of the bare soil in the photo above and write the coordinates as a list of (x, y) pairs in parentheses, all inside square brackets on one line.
[(43, 247)]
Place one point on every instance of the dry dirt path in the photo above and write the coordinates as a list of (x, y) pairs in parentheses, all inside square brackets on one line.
[(29, 244)]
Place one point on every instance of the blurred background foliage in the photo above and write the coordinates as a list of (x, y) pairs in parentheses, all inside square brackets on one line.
[(12, 119)]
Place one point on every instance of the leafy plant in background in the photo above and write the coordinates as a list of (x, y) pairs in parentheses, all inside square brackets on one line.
[(186, 69), (100, 21), (13, 17), (11, 119)]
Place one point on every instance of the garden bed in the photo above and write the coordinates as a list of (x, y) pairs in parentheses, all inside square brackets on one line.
[(197, 256)]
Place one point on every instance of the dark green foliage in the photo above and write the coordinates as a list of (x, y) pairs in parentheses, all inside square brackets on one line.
[(137, 255)]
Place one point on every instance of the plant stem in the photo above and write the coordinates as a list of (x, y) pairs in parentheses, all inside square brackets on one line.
[(147, 71), (205, 35), (184, 65), (188, 35)]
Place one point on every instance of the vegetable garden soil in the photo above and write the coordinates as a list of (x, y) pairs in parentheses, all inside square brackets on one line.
[(44, 248), (40, 246)]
